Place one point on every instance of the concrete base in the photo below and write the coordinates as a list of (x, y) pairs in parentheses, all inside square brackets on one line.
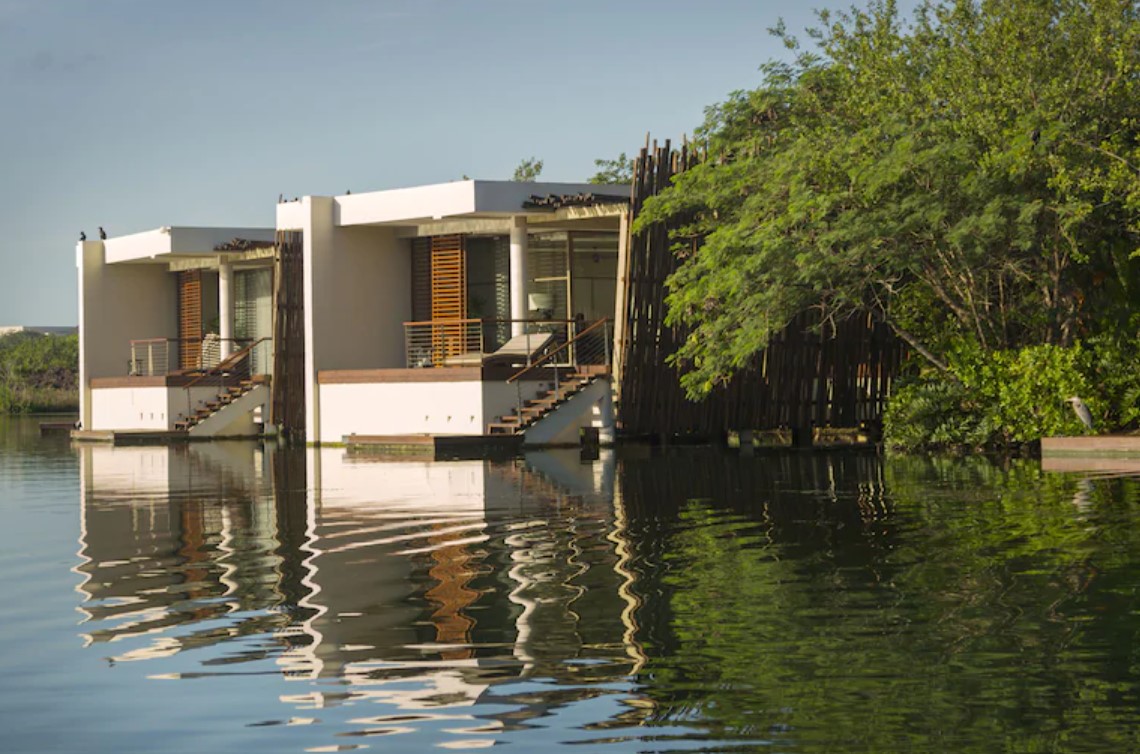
[(1094, 446), (130, 436)]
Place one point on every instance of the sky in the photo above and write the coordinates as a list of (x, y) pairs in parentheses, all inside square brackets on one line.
[(135, 114)]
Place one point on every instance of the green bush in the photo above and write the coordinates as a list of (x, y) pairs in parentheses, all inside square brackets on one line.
[(999, 399), (38, 373)]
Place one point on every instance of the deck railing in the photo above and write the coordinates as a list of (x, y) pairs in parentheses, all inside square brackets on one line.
[(590, 346), (230, 372), (157, 357), (474, 342)]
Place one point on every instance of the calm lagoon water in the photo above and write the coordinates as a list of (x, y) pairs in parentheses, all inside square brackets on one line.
[(228, 597)]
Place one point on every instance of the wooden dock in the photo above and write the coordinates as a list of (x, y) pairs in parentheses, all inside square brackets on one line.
[(130, 436), (433, 447)]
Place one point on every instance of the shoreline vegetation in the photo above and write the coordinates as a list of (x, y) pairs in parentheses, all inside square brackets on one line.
[(968, 176), (39, 374)]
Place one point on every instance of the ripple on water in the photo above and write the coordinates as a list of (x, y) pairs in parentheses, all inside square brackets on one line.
[(234, 597)]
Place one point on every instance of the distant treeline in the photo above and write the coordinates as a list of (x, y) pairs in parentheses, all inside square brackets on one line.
[(39, 373)]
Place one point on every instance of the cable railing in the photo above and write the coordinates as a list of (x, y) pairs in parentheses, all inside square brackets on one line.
[(590, 346), (158, 357), (230, 373)]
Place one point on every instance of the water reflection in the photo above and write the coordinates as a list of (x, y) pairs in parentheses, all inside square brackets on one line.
[(662, 601), (410, 584)]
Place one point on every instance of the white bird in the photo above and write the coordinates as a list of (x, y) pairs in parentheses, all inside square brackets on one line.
[(1081, 410)]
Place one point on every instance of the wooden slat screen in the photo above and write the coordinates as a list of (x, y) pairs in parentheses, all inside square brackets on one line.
[(288, 383), (808, 376), (448, 295), (448, 278), (189, 318)]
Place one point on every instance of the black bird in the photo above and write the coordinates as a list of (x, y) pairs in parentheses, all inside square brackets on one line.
[(82, 236), (1036, 136), (102, 234)]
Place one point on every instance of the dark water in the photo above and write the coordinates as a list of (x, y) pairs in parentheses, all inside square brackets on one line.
[(222, 597)]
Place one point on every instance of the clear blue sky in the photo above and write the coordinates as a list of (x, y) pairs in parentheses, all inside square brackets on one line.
[(134, 114)]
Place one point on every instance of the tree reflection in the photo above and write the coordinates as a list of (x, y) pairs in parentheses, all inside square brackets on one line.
[(836, 602)]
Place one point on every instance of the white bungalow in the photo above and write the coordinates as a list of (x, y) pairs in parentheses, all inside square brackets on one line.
[(463, 309)]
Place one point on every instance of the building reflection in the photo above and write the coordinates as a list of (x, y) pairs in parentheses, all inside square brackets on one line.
[(428, 586)]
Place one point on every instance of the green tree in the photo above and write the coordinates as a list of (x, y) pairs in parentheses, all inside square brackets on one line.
[(970, 175), (528, 170), (617, 170)]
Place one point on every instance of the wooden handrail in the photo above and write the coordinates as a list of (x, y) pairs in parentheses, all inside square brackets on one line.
[(227, 363), (551, 355)]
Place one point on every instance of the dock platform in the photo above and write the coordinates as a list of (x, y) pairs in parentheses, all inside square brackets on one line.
[(435, 446), (1119, 454), (130, 436)]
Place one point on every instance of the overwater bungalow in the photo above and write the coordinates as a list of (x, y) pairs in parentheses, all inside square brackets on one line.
[(470, 309)]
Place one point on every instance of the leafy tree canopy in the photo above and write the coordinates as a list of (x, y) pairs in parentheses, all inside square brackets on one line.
[(972, 173), (617, 170), (528, 170)]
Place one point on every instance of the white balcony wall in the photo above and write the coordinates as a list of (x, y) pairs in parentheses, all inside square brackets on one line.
[(357, 298), (130, 408), (415, 408), (151, 407), (118, 303)]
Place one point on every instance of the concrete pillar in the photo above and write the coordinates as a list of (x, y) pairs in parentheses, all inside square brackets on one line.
[(226, 308), (607, 430), (519, 308)]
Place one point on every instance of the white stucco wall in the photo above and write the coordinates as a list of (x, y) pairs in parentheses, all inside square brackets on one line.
[(357, 284), (155, 408), (130, 408), (363, 297), (118, 303), (401, 408), (416, 408)]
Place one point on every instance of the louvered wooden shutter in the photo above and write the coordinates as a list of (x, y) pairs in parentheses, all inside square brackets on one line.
[(448, 278), (189, 318), (448, 296)]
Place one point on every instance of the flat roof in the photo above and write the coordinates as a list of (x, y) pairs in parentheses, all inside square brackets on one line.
[(467, 199), (166, 243)]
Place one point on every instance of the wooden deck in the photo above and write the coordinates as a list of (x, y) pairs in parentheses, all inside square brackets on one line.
[(130, 436), (431, 447)]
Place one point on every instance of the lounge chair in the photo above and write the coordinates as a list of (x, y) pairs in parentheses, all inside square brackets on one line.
[(520, 350)]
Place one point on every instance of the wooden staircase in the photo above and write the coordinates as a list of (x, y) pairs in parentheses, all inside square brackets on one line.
[(517, 422), (210, 408)]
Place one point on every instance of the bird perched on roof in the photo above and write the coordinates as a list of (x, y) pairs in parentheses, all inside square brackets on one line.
[(102, 234), (1081, 410), (82, 236)]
